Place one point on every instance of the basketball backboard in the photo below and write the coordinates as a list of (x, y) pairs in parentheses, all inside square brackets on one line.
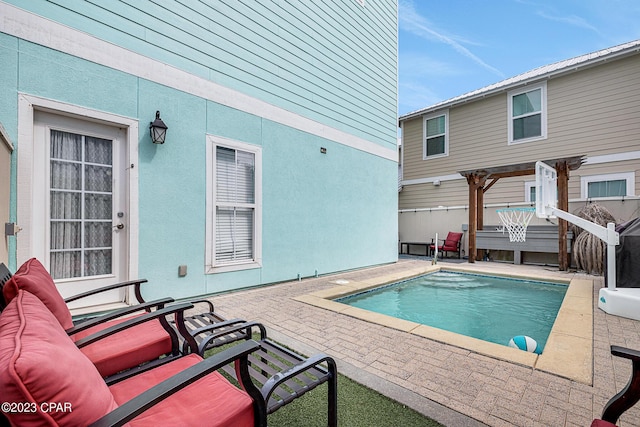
[(546, 190)]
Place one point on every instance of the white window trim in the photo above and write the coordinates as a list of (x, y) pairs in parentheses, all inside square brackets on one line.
[(630, 177), (446, 135), (528, 185), (210, 265), (543, 113)]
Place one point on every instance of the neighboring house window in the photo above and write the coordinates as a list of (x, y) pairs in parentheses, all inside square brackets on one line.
[(530, 191), (234, 217), (610, 185), (436, 140), (528, 114)]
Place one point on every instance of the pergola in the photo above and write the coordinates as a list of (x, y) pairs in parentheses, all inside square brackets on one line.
[(477, 180)]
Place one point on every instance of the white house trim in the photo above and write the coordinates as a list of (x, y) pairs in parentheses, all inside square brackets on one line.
[(4, 137), (36, 29), (26, 106), (617, 157), (607, 158), (432, 179)]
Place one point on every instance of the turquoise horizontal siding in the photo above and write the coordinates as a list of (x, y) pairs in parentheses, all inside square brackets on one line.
[(333, 61)]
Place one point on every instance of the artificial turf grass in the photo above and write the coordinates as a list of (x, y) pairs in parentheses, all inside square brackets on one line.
[(358, 406)]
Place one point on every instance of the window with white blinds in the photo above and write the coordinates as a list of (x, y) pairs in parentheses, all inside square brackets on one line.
[(235, 216), (608, 185)]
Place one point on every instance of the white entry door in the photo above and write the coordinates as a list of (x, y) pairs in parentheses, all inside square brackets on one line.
[(80, 176)]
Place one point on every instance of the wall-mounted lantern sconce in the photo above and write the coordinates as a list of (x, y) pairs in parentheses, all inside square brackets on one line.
[(158, 130)]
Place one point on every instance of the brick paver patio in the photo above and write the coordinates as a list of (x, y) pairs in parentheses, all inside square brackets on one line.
[(450, 384)]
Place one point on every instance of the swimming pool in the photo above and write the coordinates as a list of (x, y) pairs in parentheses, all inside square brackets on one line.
[(489, 308)]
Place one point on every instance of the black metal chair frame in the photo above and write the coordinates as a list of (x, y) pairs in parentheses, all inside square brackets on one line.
[(630, 394), (282, 374)]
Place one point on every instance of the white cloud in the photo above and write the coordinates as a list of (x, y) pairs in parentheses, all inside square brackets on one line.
[(412, 21), (416, 64), (414, 95), (572, 20)]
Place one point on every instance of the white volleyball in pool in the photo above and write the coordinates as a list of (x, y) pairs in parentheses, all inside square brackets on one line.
[(525, 343)]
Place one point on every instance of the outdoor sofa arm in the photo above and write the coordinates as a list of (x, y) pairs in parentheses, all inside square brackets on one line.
[(135, 283), (628, 396), (157, 314), (158, 393), (160, 303)]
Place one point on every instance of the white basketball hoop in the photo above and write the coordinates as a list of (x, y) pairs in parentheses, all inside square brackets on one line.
[(546, 190), (516, 221), (619, 302)]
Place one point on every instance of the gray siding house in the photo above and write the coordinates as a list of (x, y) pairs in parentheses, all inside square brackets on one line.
[(585, 106)]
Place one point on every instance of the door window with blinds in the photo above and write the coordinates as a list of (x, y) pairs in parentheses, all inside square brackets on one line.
[(235, 214), (80, 205)]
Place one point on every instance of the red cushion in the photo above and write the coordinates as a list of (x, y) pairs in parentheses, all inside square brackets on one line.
[(126, 349), (211, 400), (600, 423), (34, 278), (39, 363), (453, 237)]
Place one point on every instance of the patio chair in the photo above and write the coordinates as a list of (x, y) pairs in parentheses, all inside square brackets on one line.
[(282, 374), (450, 244), (186, 391), (151, 341), (5, 275), (628, 396)]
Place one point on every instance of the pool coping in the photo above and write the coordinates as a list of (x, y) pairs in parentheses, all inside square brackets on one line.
[(569, 349)]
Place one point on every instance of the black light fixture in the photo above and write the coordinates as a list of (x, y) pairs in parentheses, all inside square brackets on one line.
[(158, 130)]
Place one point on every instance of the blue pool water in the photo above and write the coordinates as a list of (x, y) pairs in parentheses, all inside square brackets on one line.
[(493, 309)]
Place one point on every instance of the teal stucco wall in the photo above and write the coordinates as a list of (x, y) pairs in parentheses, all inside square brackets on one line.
[(322, 212), (334, 61)]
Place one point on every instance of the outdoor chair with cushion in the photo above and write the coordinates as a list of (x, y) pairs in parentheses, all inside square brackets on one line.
[(149, 341), (450, 244), (628, 396), (5, 275), (51, 382), (282, 374)]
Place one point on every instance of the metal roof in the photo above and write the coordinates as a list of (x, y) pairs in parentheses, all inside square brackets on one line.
[(537, 74)]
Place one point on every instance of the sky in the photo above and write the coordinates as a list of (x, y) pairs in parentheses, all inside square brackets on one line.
[(451, 47)]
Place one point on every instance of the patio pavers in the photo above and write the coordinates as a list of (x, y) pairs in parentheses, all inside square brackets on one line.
[(450, 384)]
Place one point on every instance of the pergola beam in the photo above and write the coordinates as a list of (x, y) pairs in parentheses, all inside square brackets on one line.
[(477, 179)]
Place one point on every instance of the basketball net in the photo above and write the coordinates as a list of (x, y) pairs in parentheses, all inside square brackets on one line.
[(516, 221)]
